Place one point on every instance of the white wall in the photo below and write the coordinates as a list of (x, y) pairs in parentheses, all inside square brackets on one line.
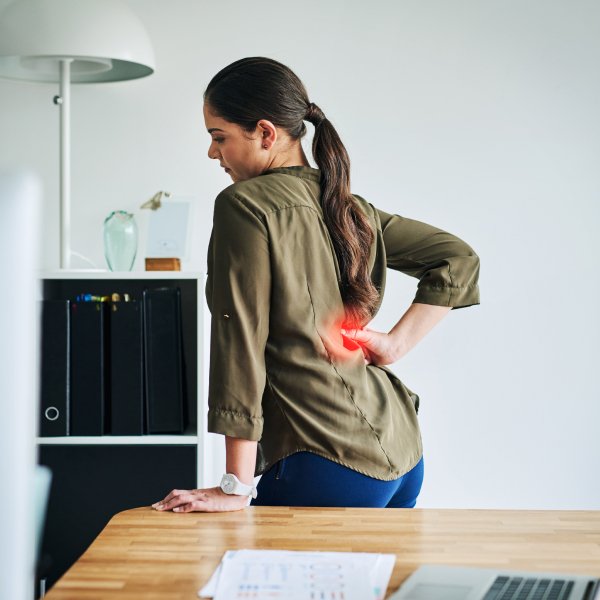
[(478, 117)]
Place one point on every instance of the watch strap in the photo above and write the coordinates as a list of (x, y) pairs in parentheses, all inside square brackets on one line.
[(239, 488)]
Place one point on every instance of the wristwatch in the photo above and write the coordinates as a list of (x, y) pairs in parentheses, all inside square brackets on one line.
[(231, 485)]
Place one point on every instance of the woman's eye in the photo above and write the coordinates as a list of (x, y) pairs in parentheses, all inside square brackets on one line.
[(218, 140)]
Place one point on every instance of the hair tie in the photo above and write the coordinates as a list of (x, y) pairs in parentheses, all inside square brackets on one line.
[(314, 115)]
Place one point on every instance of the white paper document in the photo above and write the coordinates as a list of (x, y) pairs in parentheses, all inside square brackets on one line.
[(292, 575)]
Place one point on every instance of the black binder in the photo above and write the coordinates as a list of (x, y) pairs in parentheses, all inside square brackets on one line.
[(54, 359), (88, 387), (126, 369), (163, 360)]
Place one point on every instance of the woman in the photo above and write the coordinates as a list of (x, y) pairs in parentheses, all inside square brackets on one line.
[(296, 269)]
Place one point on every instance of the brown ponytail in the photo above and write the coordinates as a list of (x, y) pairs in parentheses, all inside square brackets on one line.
[(260, 88), (348, 226)]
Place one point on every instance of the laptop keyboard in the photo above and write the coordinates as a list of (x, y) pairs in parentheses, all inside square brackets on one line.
[(524, 588)]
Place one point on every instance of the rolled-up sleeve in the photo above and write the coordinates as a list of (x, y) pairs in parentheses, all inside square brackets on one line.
[(447, 267), (238, 294)]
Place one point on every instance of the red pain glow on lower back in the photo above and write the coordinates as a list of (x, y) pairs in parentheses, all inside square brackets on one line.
[(341, 346), (350, 344)]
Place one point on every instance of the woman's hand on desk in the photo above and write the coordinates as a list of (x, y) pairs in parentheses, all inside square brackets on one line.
[(206, 500), (240, 461)]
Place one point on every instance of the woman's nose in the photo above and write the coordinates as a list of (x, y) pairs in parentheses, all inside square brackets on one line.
[(212, 152)]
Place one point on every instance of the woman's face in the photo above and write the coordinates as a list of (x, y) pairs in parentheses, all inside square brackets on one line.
[(239, 152)]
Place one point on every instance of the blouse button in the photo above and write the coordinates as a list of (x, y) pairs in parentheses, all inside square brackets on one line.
[(226, 316)]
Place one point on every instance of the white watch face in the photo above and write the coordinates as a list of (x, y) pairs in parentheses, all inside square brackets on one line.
[(231, 485), (227, 485)]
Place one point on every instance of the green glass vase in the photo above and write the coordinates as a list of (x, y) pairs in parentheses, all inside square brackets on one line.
[(120, 240)]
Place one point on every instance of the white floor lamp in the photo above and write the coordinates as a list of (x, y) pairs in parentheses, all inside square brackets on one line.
[(72, 41)]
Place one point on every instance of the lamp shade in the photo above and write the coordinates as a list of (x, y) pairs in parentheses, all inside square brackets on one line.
[(104, 39)]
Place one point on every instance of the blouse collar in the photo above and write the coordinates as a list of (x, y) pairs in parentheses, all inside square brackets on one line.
[(297, 171)]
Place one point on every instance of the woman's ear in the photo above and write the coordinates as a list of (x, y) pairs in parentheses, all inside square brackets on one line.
[(268, 133)]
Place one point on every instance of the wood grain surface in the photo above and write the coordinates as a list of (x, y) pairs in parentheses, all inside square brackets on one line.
[(143, 554)]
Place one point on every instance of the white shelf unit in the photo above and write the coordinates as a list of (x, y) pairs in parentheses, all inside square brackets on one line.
[(206, 448), (122, 275), (115, 440)]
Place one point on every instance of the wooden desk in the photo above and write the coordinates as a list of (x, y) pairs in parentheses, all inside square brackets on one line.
[(143, 554)]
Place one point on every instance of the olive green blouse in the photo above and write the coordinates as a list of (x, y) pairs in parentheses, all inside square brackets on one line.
[(279, 372)]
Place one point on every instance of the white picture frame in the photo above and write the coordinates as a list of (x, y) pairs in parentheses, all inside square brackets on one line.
[(169, 229)]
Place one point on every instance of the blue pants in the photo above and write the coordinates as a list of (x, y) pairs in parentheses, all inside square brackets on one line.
[(305, 479)]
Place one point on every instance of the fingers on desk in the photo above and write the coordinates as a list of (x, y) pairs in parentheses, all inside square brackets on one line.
[(177, 498), (204, 500)]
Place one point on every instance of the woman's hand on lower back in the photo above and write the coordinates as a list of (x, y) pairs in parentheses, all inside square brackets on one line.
[(386, 348), (378, 348), (205, 500)]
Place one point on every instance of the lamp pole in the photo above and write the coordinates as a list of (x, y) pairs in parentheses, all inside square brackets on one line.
[(64, 101)]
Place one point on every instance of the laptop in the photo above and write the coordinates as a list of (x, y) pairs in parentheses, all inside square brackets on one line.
[(440, 582)]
